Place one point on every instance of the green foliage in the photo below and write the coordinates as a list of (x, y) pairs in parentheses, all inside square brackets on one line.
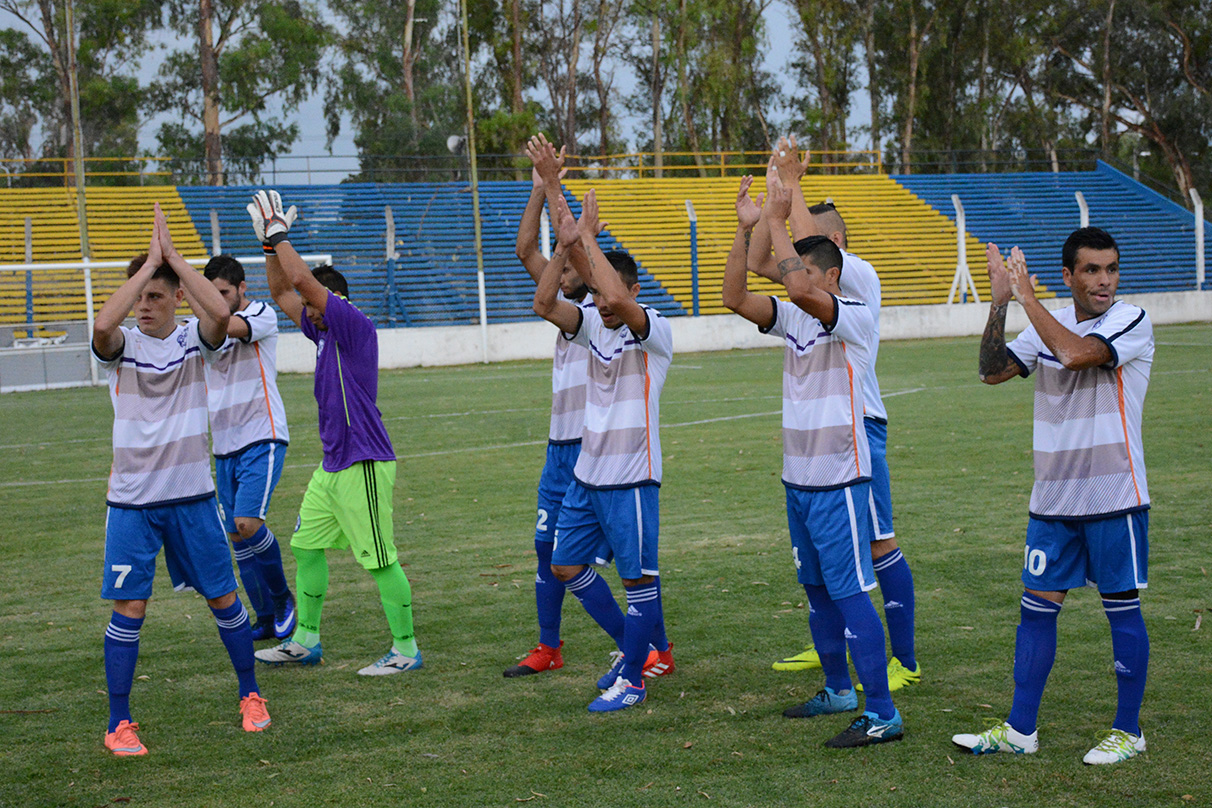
[(268, 53), (25, 92), (456, 734), (248, 150)]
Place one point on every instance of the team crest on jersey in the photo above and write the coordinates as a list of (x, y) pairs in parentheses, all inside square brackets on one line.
[(181, 339)]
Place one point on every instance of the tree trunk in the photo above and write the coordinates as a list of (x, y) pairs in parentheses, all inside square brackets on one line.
[(515, 99), (46, 9), (692, 135), (911, 96), (658, 137), (873, 87), (210, 95), (981, 89), (1105, 135), (410, 58), (574, 53)]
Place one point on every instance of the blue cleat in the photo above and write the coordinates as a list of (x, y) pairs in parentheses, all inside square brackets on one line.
[(263, 629), (284, 617), (621, 695), (826, 702), (868, 729), (290, 653), (616, 668)]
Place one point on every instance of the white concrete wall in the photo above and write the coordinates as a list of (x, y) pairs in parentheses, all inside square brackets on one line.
[(461, 345)]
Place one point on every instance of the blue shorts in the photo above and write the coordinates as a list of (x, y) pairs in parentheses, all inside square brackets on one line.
[(595, 523), (557, 474), (881, 481), (246, 480), (1111, 553), (831, 535), (195, 550)]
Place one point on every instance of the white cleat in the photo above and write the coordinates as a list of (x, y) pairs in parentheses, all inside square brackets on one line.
[(1117, 746), (392, 662), (1002, 738)]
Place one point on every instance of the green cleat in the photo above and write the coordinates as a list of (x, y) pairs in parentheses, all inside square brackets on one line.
[(899, 676), (806, 660)]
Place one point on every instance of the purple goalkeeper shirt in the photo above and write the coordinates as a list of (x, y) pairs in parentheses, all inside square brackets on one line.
[(347, 383)]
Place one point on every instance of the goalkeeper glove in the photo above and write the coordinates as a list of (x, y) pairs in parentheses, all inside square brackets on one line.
[(271, 224)]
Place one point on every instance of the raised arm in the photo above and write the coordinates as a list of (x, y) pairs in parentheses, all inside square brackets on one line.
[(1072, 351), (547, 303), (604, 280), (284, 268), (996, 366), (800, 290), (107, 339), (737, 297), (208, 305), (791, 172), (527, 247)]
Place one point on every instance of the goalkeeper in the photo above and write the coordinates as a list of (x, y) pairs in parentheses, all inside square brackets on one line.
[(348, 502)]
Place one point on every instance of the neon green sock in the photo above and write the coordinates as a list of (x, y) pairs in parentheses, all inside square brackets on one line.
[(311, 584), (396, 595)]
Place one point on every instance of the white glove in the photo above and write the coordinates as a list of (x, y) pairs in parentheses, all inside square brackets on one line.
[(271, 224)]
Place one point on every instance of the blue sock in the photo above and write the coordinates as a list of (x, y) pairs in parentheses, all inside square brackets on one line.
[(828, 629), (1034, 653), (121, 654), (896, 585), (237, 637), (643, 611), (1130, 644), (250, 577), (865, 634), (659, 640), (594, 594), (548, 596), (264, 545)]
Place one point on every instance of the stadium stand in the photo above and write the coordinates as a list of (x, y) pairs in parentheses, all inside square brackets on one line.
[(1037, 212), (119, 226), (433, 278), (911, 245)]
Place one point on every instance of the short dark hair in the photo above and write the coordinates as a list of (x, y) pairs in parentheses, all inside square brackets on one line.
[(1094, 238), (822, 252), (625, 265), (225, 267), (331, 280), (163, 272)]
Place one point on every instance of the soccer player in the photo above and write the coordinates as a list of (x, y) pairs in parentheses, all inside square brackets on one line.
[(826, 462), (348, 502), (1089, 511), (160, 489), (613, 497), (249, 436), (859, 281)]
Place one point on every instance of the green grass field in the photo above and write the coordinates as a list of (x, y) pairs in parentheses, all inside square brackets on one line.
[(471, 442)]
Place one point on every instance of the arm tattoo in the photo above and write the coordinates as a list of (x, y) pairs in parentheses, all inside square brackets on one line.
[(789, 265), (748, 237), (994, 360)]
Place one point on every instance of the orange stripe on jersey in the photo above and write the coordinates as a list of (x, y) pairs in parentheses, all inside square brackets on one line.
[(273, 429), (647, 425), (1123, 418), (858, 466)]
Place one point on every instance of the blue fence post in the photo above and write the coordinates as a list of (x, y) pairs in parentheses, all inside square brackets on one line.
[(391, 291), (694, 257)]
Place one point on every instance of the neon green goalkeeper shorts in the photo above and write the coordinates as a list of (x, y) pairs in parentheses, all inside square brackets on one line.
[(350, 508)]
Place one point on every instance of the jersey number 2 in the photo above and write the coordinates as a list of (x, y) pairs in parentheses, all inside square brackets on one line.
[(541, 525)]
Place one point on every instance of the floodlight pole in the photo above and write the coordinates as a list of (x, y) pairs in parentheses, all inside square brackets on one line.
[(1082, 208), (962, 282), (1199, 239), (475, 185), (694, 257)]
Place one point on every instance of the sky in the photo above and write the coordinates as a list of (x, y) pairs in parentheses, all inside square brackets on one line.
[(309, 160)]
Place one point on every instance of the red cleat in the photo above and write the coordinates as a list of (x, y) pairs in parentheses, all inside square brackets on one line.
[(659, 663), (543, 658)]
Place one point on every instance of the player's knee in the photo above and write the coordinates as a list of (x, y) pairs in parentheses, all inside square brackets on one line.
[(882, 547), (134, 609), (223, 601), (643, 580), (564, 573), (1130, 594), (247, 526)]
